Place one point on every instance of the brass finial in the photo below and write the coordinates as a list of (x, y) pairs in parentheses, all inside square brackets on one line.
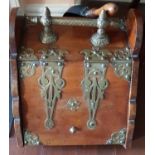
[(100, 38), (47, 36)]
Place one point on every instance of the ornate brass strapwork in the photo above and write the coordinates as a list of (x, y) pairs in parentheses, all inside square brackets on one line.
[(27, 62), (30, 138), (94, 82), (51, 83), (122, 63), (117, 137), (73, 104)]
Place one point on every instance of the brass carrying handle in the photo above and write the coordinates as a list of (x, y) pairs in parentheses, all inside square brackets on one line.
[(110, 8)]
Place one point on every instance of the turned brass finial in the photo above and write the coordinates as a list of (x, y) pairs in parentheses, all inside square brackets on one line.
[(100, 38), (47, 36)]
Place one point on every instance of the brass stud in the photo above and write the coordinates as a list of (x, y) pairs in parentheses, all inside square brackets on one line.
[(72, 130)]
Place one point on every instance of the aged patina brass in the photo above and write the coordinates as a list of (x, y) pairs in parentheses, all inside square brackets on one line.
[(100, 38), (31, 138), (27, 62), (94, 82), (73, 104), (117, 137), (122, 63), (78, 21), (50, 81), (47, 36)]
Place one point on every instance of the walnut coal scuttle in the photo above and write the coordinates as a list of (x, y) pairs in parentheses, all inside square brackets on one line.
[(74, 80)]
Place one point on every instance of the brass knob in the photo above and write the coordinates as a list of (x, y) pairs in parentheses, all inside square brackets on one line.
[(72, 129)]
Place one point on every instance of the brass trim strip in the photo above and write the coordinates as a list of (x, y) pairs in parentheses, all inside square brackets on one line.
[(78, 21)]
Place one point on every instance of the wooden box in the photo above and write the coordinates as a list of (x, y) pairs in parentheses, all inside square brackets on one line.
[(77, 97)]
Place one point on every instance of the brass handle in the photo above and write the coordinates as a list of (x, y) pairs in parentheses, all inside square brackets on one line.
[(110, 8)]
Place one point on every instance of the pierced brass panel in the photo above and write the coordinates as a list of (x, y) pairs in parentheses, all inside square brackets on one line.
[(50, 81), (94, 82)]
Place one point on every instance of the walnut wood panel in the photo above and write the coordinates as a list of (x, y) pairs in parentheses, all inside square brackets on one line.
[(135, 32), (114, 112), (111, 115), (14, 74), (72, 38)]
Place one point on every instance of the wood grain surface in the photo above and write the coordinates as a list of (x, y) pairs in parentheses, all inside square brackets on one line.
[(114, 112)]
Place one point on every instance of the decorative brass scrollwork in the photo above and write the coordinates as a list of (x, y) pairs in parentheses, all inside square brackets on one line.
[(94, 82), (122, 63), (73, 104), (117, 137), (27, 62), (51, 83), (30, 138)]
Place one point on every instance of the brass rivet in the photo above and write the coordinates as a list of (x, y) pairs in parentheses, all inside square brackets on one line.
[(34, 64), (59, 64), (72, 129), (44, 57), (88, 65)]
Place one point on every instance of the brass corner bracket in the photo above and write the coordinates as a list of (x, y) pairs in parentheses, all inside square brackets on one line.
[(122, 63), (117, 137), (27, 63), (31, 138)]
